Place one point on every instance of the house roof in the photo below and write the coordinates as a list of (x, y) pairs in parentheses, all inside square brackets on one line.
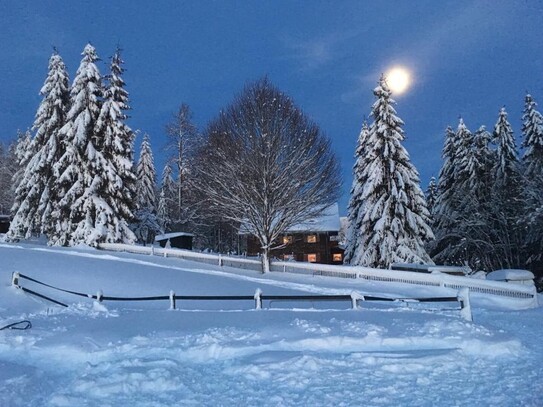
[(167, 236), (327, 221)]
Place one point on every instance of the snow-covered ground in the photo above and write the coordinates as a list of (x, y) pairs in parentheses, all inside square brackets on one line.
[(227, 353)]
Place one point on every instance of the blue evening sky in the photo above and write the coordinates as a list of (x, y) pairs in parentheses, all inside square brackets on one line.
[(468, 58)]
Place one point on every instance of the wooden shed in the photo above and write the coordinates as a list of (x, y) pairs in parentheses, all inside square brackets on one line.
[(4, 223), (178, 240)]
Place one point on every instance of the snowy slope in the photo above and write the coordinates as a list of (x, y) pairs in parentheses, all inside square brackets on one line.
[(141, 353)]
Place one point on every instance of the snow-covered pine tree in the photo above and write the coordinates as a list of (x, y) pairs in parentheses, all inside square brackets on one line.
[(446, 181), (532, 130), (8, 167), (146, 225), (146, 176), (431, 194), (115, 183), (23, 153), (455, 202), (76, 169), (168, 188), (393, 213), (506, 205), (163, 218), (355, 202), (506, 167), (35, 191)]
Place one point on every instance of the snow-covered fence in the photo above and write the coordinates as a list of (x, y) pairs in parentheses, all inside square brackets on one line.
[(354, 299), (208, 258), (524, 295)]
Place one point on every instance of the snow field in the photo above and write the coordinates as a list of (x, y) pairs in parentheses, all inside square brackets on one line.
[(123, 354)]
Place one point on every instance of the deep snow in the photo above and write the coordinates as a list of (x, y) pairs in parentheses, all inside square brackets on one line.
[(141, 353)]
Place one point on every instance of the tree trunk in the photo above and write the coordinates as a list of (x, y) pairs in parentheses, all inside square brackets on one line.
[(265, 260)]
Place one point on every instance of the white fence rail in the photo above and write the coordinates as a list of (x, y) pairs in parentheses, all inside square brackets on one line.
[(522, 293)]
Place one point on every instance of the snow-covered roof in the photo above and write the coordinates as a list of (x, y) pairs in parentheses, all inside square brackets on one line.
[(510, 274), (328, 221), (167, 236)]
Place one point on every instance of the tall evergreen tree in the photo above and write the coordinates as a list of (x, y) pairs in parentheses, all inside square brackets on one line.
[(506, 195), (146, 176), (431, 194), (146, 223), (36, 187), (393, 212), (532, 130), (8, 167), (356, 193), (168, 188), (480, 165), (446, 181), (114, 140), (76, 170), (163, 217), (455, 219), (23, 153)]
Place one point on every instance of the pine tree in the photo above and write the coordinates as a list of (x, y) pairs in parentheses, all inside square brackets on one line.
[(36, 187), (446, 181), (392, 211), (456, 203), (532, 130), (75, 172), (506, 208), (163, 218), (431, 194), (480, 165), (116, 181), (355, 201), (146, 176), (146, 223), (23, 153), (169, 191), (8, 167)]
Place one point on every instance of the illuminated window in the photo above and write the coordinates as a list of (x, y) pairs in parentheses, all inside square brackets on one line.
[(312, 258), (311, 238), (337, 257), (287, 239)]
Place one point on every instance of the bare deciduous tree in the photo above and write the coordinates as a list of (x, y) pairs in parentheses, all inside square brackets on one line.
[(266, 165), (182, 141)]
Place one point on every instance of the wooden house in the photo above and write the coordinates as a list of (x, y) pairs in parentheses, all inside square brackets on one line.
[(313, 241)]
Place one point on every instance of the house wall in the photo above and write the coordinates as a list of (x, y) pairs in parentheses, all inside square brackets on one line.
[(300, 249)]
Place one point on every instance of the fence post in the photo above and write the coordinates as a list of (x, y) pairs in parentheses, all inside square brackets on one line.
[(465, 306), (220, 260), (172, 299), (15, 279), (99, 296), (258, 298), (355, 297)]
